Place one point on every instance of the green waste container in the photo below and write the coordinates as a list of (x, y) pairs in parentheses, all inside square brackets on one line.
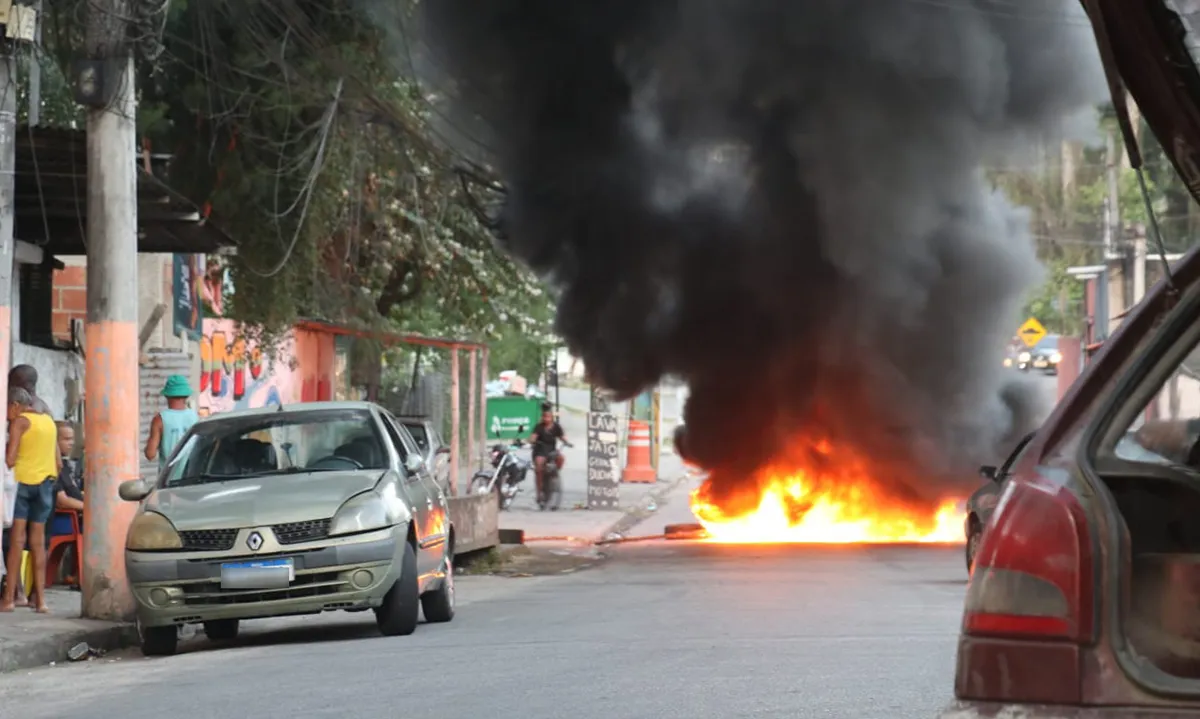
[(506, 415)]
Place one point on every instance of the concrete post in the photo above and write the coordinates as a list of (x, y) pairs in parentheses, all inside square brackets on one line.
[(472, 447), (455, 420), (111, 380), (483, 380), (8, 162)]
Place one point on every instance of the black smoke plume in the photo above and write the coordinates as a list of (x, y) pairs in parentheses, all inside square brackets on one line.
[(779, 201)]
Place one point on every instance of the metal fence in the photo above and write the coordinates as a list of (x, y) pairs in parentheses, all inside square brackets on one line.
[(423, 377)]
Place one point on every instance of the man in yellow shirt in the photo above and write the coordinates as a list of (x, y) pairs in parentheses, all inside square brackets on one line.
[(33, 456)]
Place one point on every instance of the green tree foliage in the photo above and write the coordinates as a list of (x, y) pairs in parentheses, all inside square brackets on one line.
[(291, 121), (1067, 201)]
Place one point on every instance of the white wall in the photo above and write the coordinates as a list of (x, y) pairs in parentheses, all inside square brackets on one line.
[(60, 372), (60, 377)]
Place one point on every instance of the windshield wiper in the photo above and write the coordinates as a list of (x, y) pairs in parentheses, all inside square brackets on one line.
[(204, 479)]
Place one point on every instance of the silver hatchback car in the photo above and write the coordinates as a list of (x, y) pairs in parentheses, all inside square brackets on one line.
[(285, 511)]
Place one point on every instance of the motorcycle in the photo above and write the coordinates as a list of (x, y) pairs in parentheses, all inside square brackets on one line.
[(550, 497), (506, 475)]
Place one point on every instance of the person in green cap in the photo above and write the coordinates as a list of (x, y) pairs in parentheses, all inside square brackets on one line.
[(172, 423)]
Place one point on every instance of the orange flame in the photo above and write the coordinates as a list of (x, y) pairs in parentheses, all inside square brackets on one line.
[(836, 503)]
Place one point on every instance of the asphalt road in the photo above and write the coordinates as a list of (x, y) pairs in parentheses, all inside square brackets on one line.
[(666, 629), (663, 629)]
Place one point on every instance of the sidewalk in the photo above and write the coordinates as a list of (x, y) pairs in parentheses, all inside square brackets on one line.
[(574, 523), (29, 639)]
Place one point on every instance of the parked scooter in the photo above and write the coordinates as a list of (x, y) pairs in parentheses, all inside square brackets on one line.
[(507, 472)]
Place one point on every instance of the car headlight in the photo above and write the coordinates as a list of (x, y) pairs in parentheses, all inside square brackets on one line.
[(379, 508), (151, 531), (1056, 358), (1023, 357)]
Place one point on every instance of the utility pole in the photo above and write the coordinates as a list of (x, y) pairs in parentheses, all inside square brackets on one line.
[(111, 379), (1139, 264), (8, 165), (1112, 231), (35, 72)]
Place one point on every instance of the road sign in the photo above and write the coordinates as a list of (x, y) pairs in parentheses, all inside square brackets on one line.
[(1031, 332)]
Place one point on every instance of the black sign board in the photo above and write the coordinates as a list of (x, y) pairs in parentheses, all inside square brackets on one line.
[(603, 461)]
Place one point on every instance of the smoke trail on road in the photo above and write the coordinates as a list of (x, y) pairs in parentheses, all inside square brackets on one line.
[(780, 202)]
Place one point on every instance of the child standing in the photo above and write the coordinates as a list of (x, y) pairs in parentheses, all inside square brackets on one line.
[(169, 425), (32, 454)]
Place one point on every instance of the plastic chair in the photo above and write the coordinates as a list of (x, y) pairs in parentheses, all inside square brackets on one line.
[(60, 543)]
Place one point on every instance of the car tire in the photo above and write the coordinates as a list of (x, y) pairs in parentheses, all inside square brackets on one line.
[(158, 641), (438, 604), (398, 615), (221, 630), (554, 492), (973, 547)]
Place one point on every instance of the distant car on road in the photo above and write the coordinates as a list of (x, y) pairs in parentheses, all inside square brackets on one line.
[(289, 510), (1043, 356), (1012, 350), (433, 448), (983, 502)]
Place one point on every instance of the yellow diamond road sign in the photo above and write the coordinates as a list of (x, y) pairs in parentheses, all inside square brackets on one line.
[(1031, 332)]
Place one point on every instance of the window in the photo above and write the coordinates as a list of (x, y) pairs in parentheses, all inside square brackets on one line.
[(396, 435), (1166, 430), (417, 430), (279, 443)]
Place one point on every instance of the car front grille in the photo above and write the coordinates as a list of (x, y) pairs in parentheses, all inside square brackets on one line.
[(305, 585), (208, 540), (296, 532)]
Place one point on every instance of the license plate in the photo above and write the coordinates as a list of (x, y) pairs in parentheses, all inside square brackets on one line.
[(1040, 363), (265, 574)]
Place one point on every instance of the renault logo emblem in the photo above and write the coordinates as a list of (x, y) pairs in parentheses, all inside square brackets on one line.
[(254, 541)]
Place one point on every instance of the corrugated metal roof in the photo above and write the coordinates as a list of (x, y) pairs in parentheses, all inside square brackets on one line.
[(51, 199)]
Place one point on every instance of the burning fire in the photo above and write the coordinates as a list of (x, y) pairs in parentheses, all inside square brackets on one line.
[(827, 503)]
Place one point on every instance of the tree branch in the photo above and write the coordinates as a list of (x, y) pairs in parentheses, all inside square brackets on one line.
[(394, 292)]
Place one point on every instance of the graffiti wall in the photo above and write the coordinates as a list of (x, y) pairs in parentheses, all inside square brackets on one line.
[(235, 373)]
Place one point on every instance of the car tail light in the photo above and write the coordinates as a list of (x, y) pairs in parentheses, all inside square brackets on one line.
[(1033, 572), (1029, 606)]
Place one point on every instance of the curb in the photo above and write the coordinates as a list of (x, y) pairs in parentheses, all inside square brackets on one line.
[(45, 649), (632, 517)]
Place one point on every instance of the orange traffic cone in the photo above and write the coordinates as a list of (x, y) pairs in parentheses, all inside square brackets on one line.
[(637, 464)]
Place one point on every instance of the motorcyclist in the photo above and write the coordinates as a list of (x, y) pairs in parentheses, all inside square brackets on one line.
[(544, 441)]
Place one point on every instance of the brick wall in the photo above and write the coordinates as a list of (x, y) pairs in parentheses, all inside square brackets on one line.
[(70, 299)]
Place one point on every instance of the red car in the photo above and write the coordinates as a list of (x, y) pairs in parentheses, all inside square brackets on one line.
[(1084, 600)]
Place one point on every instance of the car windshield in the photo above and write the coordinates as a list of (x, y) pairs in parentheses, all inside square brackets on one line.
[(281, 443), (1048, 344)]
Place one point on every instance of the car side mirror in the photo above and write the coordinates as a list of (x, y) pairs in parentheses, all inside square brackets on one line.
[(989, 473), (414, 464), (442, 450), (134, 490)]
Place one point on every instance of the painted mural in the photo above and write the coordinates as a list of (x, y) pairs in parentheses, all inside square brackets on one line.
[(235, 373)]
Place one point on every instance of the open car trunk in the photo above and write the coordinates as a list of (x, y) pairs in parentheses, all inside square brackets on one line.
[(1149, 48), (1160, 507)]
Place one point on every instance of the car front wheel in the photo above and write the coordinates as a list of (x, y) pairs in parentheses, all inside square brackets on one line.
[(438, 604), (221, 630), (398, 614), (158, 641)]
